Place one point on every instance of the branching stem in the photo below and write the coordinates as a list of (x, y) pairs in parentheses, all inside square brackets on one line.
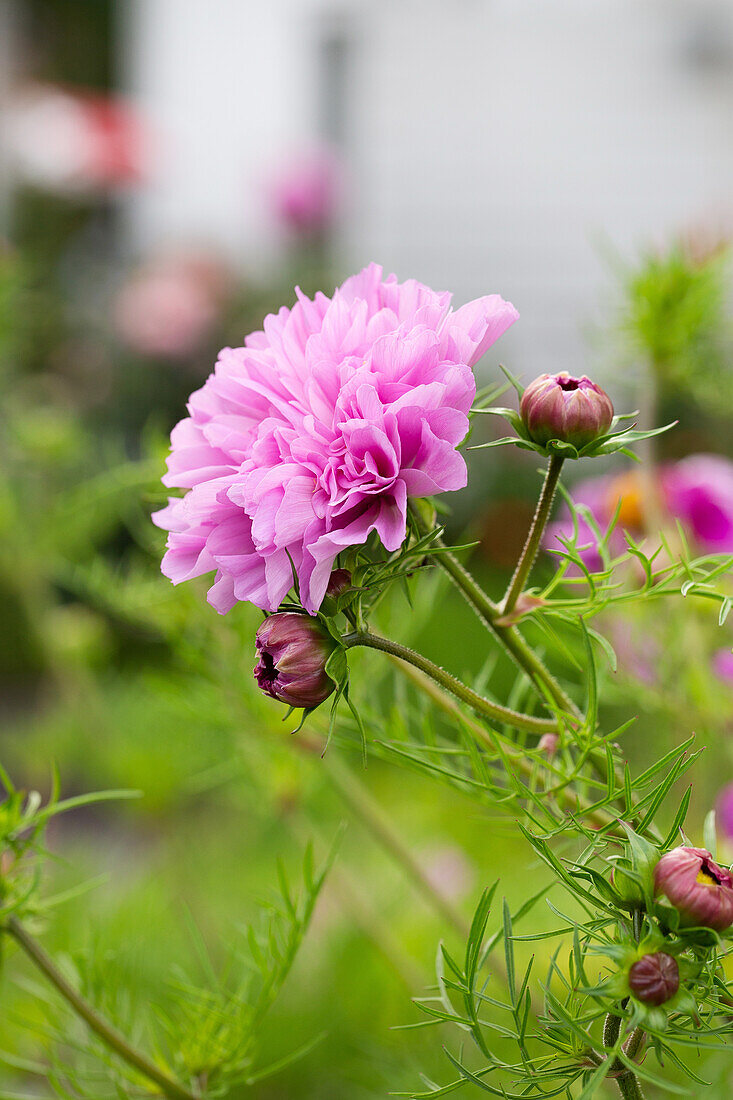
[(101, 1027), (494, 712), (507, 636)]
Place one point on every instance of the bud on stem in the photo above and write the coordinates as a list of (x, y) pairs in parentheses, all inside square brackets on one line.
[(292, 653), (572, 410)]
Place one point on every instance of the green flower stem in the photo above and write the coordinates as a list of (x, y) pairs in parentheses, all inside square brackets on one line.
[(508, 636), (109, 1035), (629, 1086), (601, 819), (534, 537), (366, 810), (627, 1081), (494, 712)]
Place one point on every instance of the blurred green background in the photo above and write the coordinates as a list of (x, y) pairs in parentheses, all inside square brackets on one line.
[(120, 681)]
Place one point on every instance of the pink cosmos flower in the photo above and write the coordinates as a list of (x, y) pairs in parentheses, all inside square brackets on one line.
[(698, 491), (316, 432)]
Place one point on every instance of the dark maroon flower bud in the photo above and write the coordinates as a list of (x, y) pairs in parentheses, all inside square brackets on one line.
[(700, 890), (292, 653), (338, 583), (654, 979), (558, 406)]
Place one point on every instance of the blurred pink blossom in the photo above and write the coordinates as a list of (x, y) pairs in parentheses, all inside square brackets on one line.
[(449, 872), (305, 192), (166, 308), (723, 665), (697, 491), (724, 811)]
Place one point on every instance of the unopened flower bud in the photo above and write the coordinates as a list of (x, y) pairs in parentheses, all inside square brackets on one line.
[(558, 406), (548, 743), (654, 979), (700, 890), (292, 653), (338, 583)]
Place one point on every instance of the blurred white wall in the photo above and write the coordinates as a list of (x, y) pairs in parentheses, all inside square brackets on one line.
[(224, 86), (493, 144)]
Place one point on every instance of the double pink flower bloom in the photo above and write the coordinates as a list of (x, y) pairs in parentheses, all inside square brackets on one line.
[(315, 433)]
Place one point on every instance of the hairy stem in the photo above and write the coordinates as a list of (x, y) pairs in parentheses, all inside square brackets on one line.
[(534, 536), (109, 1034), (507, 636), (629, 1086), (492, 711), (627, 1081)]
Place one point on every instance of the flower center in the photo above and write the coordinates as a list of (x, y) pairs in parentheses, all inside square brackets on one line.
[(568, 383), (706, 876)]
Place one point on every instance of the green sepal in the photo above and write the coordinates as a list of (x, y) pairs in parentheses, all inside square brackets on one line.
[(614, 440)]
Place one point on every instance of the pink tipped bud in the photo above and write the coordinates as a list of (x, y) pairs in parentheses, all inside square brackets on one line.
[(700, 890), (654, 979), (548, 743), (558, 406), (292, 653)]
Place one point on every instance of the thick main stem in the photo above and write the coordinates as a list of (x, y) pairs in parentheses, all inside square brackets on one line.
[(627, 1081), (629, 1087), (534, 537), (508, 636), (109, 1034), (493, 711)]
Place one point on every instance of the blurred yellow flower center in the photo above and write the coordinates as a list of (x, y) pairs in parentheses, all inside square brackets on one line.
[(706, 877), (626, 491)]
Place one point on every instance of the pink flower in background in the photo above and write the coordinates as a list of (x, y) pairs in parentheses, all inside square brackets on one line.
[(167, 307), (449, 872), (698, 491), (305, 192), (724, 811), (315, 433), (723, 665)]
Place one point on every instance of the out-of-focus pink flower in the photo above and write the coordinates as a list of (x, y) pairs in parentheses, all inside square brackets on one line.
[(316, 432), (723, 665), (305, 192), (638, 654), (698, 491), (724, 811), (449, 872), (69, 139), (166, 308)]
